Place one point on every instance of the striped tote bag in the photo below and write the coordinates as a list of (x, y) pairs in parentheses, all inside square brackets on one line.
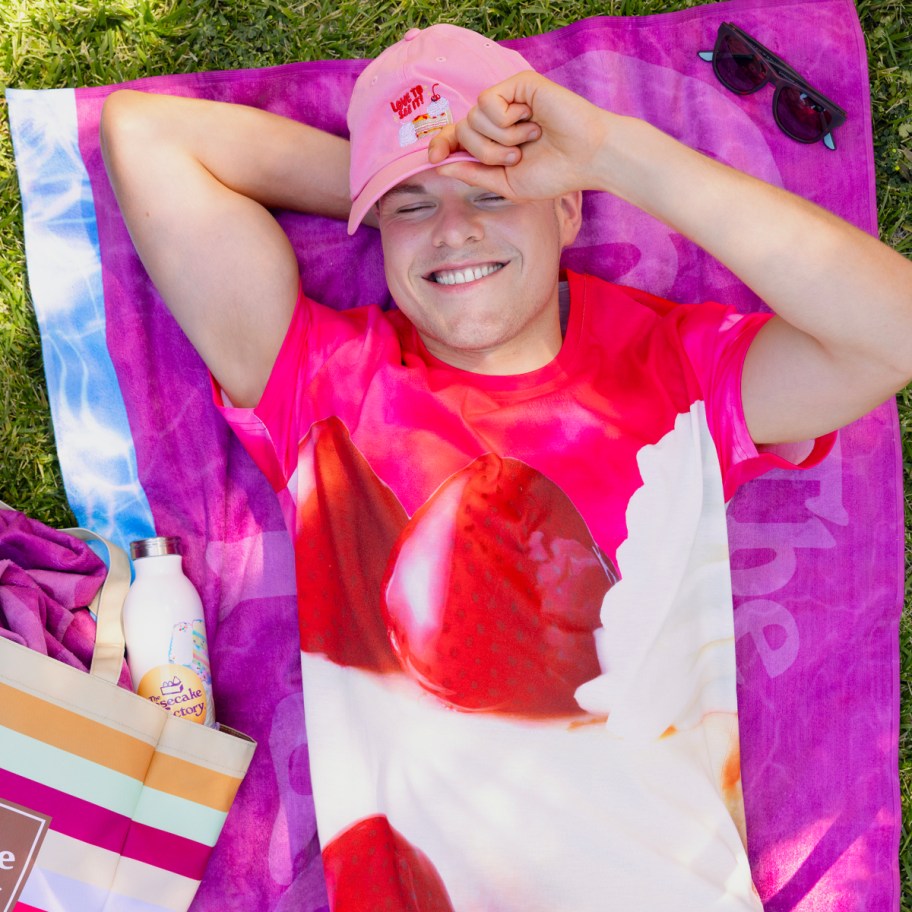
[(107, 801)]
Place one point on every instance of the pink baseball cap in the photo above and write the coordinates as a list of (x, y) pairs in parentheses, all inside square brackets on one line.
[(429, 79)]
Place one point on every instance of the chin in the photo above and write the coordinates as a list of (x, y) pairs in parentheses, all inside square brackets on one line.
[(473, 338)]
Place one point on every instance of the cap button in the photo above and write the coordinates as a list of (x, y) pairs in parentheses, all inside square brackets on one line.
[(411, 34)]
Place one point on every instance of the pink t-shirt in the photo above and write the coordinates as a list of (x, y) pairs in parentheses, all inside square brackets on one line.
[(515, 607)]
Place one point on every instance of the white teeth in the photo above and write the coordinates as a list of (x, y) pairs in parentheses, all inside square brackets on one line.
[(461, 276)]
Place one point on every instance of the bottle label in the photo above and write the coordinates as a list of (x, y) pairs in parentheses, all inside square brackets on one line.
[(188, 647), (178, 689)]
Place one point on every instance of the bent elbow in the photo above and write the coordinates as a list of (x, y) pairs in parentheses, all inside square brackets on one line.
[(112, 113), (122, 123)]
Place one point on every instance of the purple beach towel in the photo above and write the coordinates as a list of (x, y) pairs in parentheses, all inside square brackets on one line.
[(817, 555), (47, 580)]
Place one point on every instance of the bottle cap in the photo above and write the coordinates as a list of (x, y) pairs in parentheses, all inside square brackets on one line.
[(155, 547)]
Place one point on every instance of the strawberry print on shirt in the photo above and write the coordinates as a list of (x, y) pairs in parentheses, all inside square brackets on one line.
[(515, 608)]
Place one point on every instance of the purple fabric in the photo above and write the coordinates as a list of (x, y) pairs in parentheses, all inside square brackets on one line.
[(47, 578), (817, 556)]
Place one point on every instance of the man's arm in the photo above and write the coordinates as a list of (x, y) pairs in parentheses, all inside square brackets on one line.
[(841, 342), (195, 180)]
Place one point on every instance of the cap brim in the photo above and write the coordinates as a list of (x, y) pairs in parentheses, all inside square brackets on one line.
[(394, 173)]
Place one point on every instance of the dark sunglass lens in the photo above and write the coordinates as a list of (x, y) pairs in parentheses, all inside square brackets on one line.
[(800, 116), (738, 66)]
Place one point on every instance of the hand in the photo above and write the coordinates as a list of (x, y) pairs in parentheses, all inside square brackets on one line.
[(534, 139)]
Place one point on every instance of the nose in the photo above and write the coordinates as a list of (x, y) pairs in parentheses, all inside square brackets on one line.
[(458, 222)]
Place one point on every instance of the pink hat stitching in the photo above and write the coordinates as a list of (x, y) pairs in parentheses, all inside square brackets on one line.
[(429, 79)]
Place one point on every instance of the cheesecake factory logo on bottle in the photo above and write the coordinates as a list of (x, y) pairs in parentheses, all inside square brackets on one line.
[(184, 684), (178, 689)]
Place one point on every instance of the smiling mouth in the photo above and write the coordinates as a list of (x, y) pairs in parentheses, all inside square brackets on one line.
[(463, 276)]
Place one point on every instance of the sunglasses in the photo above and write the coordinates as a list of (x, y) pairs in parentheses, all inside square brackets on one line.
[(744, 66)]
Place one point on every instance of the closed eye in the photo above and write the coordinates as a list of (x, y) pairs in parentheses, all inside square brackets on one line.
[(491, 200), (405, 199), (412, 207)]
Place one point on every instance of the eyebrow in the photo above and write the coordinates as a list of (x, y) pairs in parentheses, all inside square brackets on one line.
[(407, 189)]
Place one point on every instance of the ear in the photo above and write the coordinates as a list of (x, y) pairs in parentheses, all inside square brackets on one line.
[(569, 211)]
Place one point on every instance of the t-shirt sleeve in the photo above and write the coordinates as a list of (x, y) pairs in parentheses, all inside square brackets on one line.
[(716, 340), (325, 361)]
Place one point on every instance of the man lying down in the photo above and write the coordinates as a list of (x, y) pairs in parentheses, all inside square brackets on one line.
[(507, 496)]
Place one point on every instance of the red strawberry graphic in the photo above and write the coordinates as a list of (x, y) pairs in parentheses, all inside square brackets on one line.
[(371, 867), (346, 530), (494, 590)]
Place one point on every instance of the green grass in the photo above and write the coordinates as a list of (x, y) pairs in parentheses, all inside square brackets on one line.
[(53, 43)]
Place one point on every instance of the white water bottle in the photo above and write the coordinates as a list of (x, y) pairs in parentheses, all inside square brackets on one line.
[(166, 634)]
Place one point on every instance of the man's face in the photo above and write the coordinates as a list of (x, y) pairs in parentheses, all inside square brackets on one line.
[(477, 275)]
